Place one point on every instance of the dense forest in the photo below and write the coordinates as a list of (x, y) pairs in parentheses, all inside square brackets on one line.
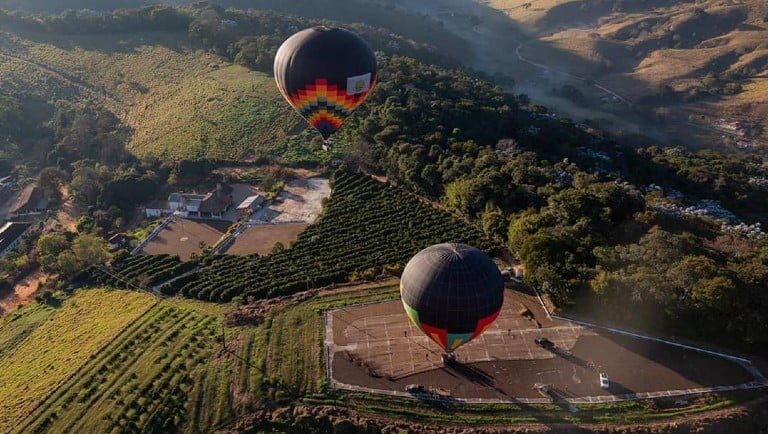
[(652, 237)]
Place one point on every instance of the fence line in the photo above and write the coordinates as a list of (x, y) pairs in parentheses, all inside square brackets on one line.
[(151, 235), (760, 380), (639, 336), (581, 400)]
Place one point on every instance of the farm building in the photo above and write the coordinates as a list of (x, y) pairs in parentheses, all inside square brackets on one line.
[(116, 241), (29, 202), (250, 203), (213, 204), (157, 208), (10, 235)]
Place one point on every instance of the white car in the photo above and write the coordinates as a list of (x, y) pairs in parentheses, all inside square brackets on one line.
[(604, 383)]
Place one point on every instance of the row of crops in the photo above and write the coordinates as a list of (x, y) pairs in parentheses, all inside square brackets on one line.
[(145, 381), (365, 225), (141, 270)]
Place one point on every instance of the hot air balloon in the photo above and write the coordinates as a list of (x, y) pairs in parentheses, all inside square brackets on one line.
[(325, 73), (452, 292)]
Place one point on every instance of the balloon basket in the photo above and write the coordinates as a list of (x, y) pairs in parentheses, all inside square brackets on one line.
[(326, 145), (449, 359)]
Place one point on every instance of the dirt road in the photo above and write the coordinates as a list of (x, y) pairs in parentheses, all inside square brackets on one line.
[(23, 292)]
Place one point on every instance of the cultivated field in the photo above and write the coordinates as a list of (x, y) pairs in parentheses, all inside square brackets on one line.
[(175, 368), (377, 347), (158, 374), (261, 239), (41, 355)]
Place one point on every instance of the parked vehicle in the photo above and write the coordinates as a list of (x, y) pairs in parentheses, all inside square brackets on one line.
[(604, 383)]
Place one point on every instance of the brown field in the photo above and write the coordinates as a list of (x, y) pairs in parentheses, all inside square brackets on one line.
[(375, 346), (262, 238), (182, 237)]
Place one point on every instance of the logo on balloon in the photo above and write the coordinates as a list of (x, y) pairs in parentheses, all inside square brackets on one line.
[(358, 84)]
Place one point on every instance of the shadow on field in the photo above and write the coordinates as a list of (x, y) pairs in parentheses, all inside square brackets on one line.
[(672, 366), (578, 361), (473, 374), (618, 389)]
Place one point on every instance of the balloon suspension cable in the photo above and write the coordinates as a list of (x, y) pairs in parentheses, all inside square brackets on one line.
[(326, 144)]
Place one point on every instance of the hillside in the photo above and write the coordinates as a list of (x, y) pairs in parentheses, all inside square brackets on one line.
[(662, 240), (665, 70), (179, 94), (669, 71), (683, 61)]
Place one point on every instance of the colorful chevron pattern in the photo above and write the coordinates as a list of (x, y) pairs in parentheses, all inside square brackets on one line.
[(326, 106), (450, 341)]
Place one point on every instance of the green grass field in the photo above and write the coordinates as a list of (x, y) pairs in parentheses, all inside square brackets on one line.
[(16, 327), (59, 345), (177, 101)]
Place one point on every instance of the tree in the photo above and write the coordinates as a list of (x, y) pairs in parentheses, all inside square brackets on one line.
[(459, 196), (90, 250), (68, 264), (493, 221), (49, 247), (85, 185), (49, 181)]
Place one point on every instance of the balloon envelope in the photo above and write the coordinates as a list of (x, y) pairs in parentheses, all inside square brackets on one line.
[(452, 292), (325, 73)]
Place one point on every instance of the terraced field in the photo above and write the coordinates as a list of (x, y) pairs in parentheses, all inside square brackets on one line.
[(58, 346), (157, 376)]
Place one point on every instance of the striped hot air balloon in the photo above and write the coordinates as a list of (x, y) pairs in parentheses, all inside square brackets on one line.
[(325, 73)]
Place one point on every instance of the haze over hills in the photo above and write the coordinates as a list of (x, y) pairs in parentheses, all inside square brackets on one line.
[(160, 129), (668, 69), (672, 71)]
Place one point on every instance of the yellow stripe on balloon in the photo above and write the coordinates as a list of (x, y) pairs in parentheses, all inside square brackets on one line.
[(436, 337)]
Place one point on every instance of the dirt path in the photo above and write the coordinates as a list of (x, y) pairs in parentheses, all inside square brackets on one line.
[(23, 292), (67, 214)]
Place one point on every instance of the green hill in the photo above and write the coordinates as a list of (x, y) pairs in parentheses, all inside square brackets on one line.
[(179, 102), (186, 92)]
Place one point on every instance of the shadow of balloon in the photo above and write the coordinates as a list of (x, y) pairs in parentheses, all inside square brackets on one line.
[(473, 374), (571, 358)]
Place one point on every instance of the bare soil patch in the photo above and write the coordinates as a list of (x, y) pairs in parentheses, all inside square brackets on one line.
[(67, 214), (261, 239), (299, 202), (182, 237), (23, 292)]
